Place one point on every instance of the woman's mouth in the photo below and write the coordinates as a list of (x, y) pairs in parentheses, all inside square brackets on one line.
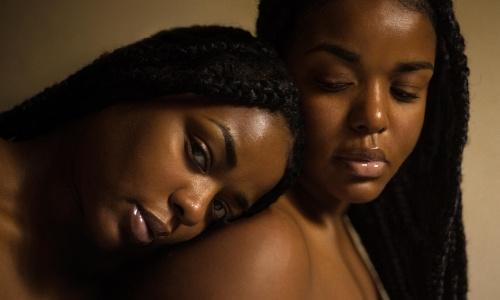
[(139, 228), (363, 163), (145, 227), (157, 228)]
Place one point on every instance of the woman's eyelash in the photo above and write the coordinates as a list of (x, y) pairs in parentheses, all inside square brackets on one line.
[(403, 95), (331, 86), (199, 154), (334, 87)]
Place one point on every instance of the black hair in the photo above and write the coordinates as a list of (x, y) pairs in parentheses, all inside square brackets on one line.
[(414, 231), (224, 65)]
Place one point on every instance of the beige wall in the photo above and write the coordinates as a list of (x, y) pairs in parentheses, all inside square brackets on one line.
[(481, 26), (44, 41)]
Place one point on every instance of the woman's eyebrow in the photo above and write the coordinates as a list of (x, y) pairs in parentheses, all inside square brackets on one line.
[(231, 159), (336, 50), (413, 66)]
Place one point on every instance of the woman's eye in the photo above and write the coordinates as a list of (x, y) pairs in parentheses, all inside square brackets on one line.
[(199, 154), (219, 210), (331, 86), (403, 95)]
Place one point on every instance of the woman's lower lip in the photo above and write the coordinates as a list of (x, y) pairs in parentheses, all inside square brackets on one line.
[(365, 169), (138, 227)]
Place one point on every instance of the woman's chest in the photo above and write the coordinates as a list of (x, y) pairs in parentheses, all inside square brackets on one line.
[(338, 271)]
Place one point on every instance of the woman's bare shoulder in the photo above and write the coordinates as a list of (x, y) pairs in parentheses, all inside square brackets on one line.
[(262, 257)]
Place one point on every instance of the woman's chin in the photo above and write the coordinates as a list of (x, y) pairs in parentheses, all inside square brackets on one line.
[(361, 192)]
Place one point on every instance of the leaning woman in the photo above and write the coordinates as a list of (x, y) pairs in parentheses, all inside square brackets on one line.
[(146, 146), (385, 96)]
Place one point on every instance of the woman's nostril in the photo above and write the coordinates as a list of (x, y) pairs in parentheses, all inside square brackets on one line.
[(178, 209), (361, 127)]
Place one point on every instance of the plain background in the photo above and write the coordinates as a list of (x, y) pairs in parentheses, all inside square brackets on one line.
[(42, 42)]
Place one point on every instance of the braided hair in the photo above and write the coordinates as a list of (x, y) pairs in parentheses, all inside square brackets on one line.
[(413, 232), (224, 65)]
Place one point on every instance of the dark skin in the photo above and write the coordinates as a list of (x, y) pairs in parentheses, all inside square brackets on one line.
[(67, 199), (363, 67)]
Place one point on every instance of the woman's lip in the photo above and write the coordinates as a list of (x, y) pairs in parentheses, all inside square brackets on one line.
[(365, 169), (157, 227), (362, 155), (138, 227), (368, 164)]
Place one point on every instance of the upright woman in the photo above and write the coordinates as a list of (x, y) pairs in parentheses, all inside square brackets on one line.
[(385, 91)]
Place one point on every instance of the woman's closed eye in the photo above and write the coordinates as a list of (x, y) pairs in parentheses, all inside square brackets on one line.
[(331, 85), (198, 154), (403, 95)]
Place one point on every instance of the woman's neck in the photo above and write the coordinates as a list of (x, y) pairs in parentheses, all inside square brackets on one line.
[(11, 178), (314, 217), (38, 205), (316, 206), (23, 166), (32, 172)]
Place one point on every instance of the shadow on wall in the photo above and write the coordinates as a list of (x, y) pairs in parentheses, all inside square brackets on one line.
[(43, 42)]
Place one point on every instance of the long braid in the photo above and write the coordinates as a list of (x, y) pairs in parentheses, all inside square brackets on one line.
[(459, 73), (461, 257), (401, 285)]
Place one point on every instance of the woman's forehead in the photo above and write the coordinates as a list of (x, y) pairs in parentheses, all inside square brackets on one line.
[(361, 24)]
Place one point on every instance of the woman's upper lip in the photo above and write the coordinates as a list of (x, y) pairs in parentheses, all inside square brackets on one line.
[(156, 226), (365, 155)]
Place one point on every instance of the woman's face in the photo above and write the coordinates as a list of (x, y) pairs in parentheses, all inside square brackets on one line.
[(363, 67), (160, 173)]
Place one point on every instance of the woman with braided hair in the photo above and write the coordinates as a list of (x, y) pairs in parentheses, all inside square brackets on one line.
[(385, 97), (384, 57), (146, 146)]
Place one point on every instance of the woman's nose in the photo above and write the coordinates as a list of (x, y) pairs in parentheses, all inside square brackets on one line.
[(368, 114), (190, 204)]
